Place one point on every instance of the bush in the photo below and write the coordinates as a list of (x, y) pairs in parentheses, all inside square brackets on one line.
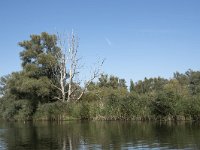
[(51, 111), (163, 105), (113, 106), (192, 108), (24, 110), (127, 107), (85, 110), (16, 110), (169, 105)]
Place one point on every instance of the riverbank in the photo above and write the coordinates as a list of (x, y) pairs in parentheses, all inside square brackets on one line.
[(152, 99), (94, 111)]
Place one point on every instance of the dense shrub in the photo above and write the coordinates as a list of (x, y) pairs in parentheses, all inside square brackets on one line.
[(108, 99), (85, 111), (16, 110), (51, 111), (192, 107)]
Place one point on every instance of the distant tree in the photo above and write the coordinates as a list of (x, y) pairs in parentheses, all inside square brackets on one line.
[(194, 81), (132, 86), (149, 85), (111, 81), (182, 78), (103, 80), (114, 82), (122, 83)]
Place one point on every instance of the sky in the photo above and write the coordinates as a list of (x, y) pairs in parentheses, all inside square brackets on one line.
[(138, 38)]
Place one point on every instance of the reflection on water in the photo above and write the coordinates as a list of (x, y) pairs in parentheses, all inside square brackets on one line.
[(2, 143), (98, 135)]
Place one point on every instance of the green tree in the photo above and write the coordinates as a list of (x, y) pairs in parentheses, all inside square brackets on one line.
[(103, 80), (34, 82), (132, 86), (149, 85), (122, 83), (194, 81), (111, 81), (38, 56)]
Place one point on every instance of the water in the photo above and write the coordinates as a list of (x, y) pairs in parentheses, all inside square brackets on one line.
[(98, 135)]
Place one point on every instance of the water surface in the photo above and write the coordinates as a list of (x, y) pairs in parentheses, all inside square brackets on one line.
[(98, 135)]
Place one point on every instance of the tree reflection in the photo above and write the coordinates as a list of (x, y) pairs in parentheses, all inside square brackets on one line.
[(99, 135)]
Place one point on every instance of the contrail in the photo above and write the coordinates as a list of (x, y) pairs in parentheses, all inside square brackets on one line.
[(108, 41)]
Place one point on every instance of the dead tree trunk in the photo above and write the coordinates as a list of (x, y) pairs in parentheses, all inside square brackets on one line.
[(73, 62), (68, 68)]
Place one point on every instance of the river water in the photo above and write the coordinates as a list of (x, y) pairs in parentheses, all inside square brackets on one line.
[(98, 135)]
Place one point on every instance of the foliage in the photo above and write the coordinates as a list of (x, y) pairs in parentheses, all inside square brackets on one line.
[(16, 110), (33, 93), (50, 111)]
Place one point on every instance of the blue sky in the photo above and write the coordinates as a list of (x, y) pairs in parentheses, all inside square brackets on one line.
[(138, 38)]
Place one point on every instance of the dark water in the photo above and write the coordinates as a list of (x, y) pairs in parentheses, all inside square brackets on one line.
[(98, 135)]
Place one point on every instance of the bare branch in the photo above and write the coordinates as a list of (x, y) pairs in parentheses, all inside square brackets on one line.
[(56, 87), (58, 98), (95, 74), (66, 69)]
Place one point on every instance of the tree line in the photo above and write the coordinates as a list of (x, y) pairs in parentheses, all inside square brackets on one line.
[(48, 88)]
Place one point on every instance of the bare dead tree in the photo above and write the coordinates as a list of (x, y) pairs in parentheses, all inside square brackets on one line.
[(72, 51), (68, 67)]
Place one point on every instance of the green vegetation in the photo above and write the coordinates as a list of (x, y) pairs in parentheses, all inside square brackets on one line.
[(35, 92)]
